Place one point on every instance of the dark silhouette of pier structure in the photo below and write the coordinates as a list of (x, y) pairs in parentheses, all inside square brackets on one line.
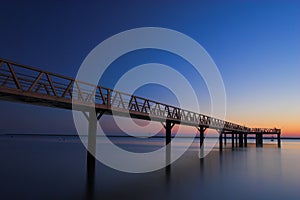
[(20, 83)]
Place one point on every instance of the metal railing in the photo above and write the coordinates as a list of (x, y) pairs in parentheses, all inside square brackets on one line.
[(35, 85)]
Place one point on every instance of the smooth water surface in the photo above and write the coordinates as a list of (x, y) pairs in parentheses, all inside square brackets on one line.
[(52, 167)]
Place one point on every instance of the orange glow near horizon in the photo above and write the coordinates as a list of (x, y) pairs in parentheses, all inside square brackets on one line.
[(288, 128)]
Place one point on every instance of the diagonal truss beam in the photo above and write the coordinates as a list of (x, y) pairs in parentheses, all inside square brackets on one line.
[(27, 84)]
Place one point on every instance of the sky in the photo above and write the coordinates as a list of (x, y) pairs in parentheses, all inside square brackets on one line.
[(255, 45)]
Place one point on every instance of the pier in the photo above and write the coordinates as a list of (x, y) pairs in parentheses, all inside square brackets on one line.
[(20, 83)]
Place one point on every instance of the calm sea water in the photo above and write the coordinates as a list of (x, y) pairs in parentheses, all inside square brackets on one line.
[(44, 167)]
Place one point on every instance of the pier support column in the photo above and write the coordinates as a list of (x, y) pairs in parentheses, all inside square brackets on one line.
[(92, 130), (201, 136), (240, 140), (278, 140), (168, 127), (201, 131), (221, 141), (225, 139), (256, 139), (91, 150), (236, 140), (259, 140), (232, 140), (92, 116), (245, 140)]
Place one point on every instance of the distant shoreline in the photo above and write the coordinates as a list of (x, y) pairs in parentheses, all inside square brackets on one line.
[(126, 136)]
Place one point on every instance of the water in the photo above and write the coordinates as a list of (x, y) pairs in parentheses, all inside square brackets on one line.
[(42, 167)]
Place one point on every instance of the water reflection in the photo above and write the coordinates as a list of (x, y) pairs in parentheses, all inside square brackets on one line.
[(90, 176), (57, 169), (168, 164)]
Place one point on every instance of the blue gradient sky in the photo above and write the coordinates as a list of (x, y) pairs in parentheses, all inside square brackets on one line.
[(256, 46)]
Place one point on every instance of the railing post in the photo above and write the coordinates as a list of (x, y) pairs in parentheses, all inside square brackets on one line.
[(108, 99)]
